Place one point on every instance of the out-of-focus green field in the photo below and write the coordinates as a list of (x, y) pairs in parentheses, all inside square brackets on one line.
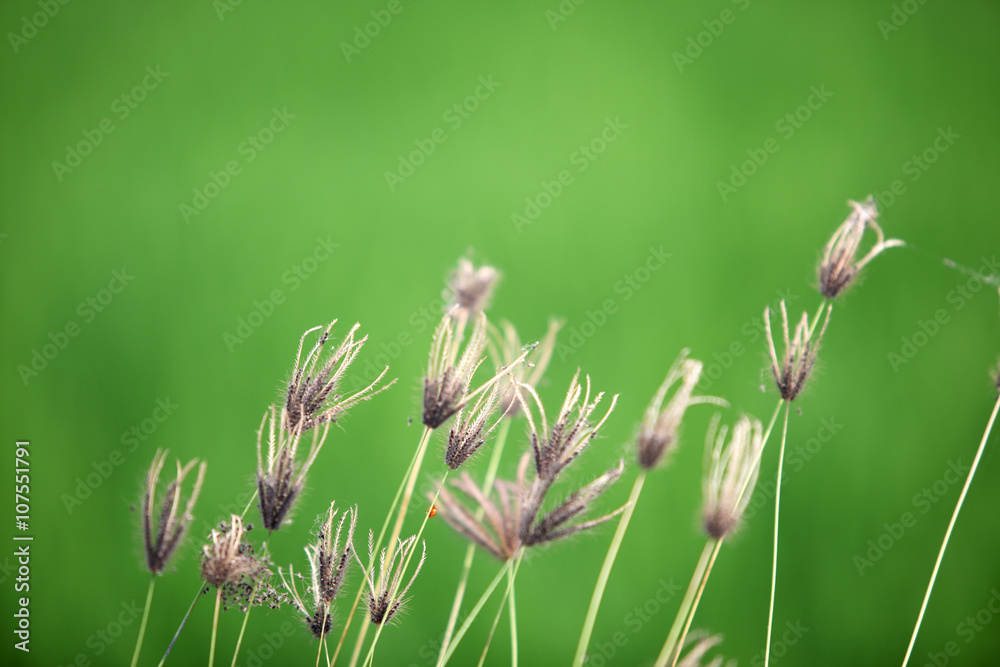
[(187, 187)]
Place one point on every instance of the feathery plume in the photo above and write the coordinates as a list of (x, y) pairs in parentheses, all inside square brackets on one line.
[(552, 451), (469, 289), (792, 372), (328, 564), (447, 383), (280, 477), (701, 644), (507, 349), (838, 268), (311, 397), (386, 595), (499, 531), (731, 473), (469, 431), (660, 425), (173, 517)]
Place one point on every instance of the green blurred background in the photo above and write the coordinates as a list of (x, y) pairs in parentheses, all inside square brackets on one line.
[(684, 94)]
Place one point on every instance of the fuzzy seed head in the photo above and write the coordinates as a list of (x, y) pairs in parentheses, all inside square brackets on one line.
[(328, 565), (838, 267), (659, 429), (311, 397), (730, 475), (386, 594), (470, 431), (447, 382), (229, 564), (173, 516), (470, 288), (793, 370), (699, 644), (280, 475)]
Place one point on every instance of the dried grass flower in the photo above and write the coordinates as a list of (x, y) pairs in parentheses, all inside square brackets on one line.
[(730, 475), (328, 565), (447, 382), (699, 645), (469, 289), (469, 432), (792, 372), (838, 267), (386, 595), (659, 429), (228, 563), (173, 517), (311, 396), (498, 531), (280, 476), (552, 450), (507, 348)]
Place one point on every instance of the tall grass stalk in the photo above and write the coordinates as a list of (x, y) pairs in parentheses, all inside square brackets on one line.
[(951, 525), (774, 555), (197, 596), (605, 573), (670, 645), (145, 618), (406, 563), (470, 551), (381, 536), (697, 598), (215, 627), (513, 563), (403, 505)]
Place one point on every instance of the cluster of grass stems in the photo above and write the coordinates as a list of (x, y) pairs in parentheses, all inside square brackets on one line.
[(503, 517)]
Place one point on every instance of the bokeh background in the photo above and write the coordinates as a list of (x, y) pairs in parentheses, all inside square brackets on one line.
[(276, 124)]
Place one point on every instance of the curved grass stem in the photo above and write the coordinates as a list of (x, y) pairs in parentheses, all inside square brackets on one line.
[(197, 596), (602, 578), (774, 555), (670, 645), (145, 617), (951, 525), (470, 551)]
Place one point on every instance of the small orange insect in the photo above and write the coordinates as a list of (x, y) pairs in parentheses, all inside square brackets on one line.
[(432, 511)]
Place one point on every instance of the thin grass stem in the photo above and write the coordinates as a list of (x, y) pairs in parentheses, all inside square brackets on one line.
[(478, 607), (215, 627), (470, 551), (670, 645), (774, 555), (602, 578), (403, 504), (145, 617), (697, 598), (197, 596), (951, 525)]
